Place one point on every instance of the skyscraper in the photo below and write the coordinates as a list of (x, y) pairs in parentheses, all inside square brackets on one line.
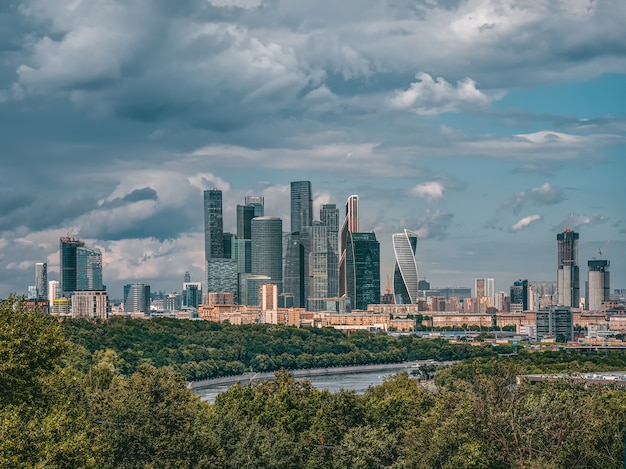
[(41, 279), (301, 205), (213, 224), (598, 283), (67, 253), (53, 291), (245, 214), (329, 216), (350, 224), (405, 278), (362, 269), (485, 287), (568, 278), (88, 269), (318, 264), (258, 202), (520, 295), (137, 298), (267, 248)]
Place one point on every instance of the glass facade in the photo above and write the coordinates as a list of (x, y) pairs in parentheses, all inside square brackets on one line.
[(568, 276), (267, 248), (405, 278), (301, 205), (362, 270), (67, 252), (329, 216), (213, 224), (88, 269)]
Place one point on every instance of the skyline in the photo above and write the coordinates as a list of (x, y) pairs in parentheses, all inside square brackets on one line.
[(485, 127)]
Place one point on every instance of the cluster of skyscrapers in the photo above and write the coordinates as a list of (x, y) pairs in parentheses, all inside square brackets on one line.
[(314, 265)]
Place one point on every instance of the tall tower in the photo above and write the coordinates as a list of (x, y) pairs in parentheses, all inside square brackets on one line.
[(67, 251), (598, 283), (301, 205), (267, 249), (405, 278), (329, 216), (245, 214), (213, 224), (568, 278), (137, 298), (350, 225), (362, 269), (41, 279)]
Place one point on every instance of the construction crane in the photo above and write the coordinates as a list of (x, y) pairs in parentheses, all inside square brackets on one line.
[(603, 248)]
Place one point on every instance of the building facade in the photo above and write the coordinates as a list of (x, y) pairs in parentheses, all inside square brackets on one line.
[(41, 279), (267, 248), (555, 322), (88, 269), (137, 298), (329, 216), (362, 270), (405, 275), (301, 205), (568, 276), (67, 252), (598, 284)]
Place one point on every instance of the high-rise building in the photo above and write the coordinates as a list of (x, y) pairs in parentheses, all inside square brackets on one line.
[(405, 278), (301, 205), (192, 294), (91, 304), (350, 225), (41, 279), (222, 276), (485, 288), (598, 283), (67, 253), (318, 261), (362, 269), (213, 225), (329, 216), (88, 269), (53, 291), (520, 295), (555, 322), (245, 214), (227, 239), (296, 279), (137, 298), (267, 249), (568, 278), (258, 202)]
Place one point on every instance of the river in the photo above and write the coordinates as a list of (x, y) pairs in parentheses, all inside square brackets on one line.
[(357, 381)]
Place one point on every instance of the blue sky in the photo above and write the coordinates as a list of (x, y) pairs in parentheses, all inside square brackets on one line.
[(486, 126)]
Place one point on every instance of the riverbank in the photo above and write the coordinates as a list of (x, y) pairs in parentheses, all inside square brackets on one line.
[(304, 373)]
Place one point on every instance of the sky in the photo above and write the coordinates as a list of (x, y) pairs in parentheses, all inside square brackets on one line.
[(485, 126)]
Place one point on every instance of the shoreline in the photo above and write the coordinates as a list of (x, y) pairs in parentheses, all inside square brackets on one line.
[(302, 373)]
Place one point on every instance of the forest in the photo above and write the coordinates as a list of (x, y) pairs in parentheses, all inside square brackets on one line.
[(70, 397)]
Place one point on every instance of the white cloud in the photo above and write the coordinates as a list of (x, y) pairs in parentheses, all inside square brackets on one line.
[(428, 96), (526, 222), (546, 194), (429, 190)]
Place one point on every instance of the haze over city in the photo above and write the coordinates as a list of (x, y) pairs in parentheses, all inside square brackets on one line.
[(484, 127)]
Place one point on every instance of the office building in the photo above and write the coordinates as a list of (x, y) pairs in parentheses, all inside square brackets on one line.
[(137, 298), (258, 202), (213, 225), (405, 277), (228, 245), (88, 269), (67, 253), (90, 304), (54, 292), (296, 279), (598, 284), (350, 224), (485, 288), (520, 296), (192, 294), (301, 205), (267, 249), (222, 276), (41, 279), (242, 253), (329, 217), (245, 214), (555, 322), (318, 262), (568, 278), (362, 262)]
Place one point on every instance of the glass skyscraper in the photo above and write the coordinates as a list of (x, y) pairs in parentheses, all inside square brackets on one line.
[(41, 279), (329, 216), (362, 269), (67, 252), (267, 248), (301, 205), (213, 224), (405, 278), (88, 269)]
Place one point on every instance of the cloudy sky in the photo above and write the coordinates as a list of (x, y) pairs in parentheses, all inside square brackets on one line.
[(486, 126)]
